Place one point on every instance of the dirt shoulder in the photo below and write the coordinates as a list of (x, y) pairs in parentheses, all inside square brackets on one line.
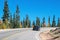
[(46, 36)]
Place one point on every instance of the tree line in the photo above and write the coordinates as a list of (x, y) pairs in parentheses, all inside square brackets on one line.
[(13, 21)]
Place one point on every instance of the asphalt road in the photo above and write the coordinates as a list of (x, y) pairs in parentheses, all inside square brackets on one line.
[(22, 34)]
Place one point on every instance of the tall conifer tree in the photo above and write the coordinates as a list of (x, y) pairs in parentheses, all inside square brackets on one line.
[(6, 12), (53, 22), (49, 22), (58, 24), (37, 21), (5, 17), (17, 17), (44, 25)]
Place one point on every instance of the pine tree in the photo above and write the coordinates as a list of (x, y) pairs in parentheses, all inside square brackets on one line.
[(16, 18), (37, 21), (27, 21), (49, 22), (33, 24), (29, 24), (58, 24), (44, 25), (5, 17), (24, 23), (41, 25), (11, 21), (21, 24), (6, 12), (53, 22)]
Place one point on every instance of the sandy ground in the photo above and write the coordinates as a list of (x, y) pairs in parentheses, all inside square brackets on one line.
[(46, 36)]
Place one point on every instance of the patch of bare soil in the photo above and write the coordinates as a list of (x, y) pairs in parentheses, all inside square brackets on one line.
[(46, 36)]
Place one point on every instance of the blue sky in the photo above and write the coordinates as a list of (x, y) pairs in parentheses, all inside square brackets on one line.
[(34, 8)]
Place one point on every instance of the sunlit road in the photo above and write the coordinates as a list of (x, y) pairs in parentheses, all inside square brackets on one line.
[(21, 34)]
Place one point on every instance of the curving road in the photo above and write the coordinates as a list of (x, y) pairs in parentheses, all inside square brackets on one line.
[(22, 34)]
